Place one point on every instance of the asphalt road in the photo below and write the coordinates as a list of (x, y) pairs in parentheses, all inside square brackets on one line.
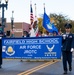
[(16, 67)]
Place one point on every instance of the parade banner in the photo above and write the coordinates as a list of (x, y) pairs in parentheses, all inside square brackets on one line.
[(32, 48)]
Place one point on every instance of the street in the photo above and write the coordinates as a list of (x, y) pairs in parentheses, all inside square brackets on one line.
[(16, 67)]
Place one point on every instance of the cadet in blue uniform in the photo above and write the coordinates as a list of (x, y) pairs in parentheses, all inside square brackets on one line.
[(25, 34), (67, 48), (1, 35), (0, 51), (55, 33)]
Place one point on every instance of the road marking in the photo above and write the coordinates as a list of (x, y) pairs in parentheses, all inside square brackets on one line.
[(33, 68), (37, 68)]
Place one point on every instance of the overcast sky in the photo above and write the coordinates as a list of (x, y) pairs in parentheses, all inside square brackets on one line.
[(21, 8)]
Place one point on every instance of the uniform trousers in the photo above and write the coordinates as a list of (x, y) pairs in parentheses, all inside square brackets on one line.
[(0, 52), (0, 57), (67, 59)]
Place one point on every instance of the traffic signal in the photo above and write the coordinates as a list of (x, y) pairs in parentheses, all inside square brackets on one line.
[(8, 33), (0, 24)]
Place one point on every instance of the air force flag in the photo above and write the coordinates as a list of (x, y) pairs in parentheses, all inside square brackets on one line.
[(47, 24)]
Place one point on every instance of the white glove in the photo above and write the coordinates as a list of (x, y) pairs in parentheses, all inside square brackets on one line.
[(64, 36), (72, 49), (0, 37)]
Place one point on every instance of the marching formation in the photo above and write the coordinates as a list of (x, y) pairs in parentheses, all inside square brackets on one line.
[(67, 46)]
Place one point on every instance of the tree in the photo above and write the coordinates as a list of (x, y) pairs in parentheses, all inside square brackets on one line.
[(72, 22), (59, 20), (40, 24)]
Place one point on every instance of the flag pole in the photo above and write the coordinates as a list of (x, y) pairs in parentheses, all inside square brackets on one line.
[(36, 21), (44, 12), (35, 12), (44, 6), (30, 10)]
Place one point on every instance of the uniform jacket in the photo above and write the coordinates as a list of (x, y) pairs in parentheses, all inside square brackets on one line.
[(68, 42), (0, 42)]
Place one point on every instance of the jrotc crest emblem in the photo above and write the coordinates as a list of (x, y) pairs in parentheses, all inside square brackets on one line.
[(10, 51), (50, 49)]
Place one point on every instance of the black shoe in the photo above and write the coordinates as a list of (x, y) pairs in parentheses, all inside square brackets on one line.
[(0, 66), (65, 72), (21, 60), (70, 69)]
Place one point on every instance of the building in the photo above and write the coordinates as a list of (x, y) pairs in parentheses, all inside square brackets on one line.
[(18, 28)]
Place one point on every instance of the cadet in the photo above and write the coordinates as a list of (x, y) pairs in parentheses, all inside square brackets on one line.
[(1, 35), (25, 34), (55, 33), (67, 47)]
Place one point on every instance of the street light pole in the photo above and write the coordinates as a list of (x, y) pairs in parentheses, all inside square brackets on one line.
[(12, 20), (12, 23), (3, 5)]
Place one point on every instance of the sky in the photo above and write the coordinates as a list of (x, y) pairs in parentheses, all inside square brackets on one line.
[(21, 9)]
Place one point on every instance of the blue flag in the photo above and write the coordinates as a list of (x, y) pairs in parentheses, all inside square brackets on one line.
[(47, 24), (54, 28)]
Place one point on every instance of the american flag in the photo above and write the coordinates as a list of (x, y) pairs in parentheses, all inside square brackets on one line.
[(31, 14), (32, 34), (34, 25)]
